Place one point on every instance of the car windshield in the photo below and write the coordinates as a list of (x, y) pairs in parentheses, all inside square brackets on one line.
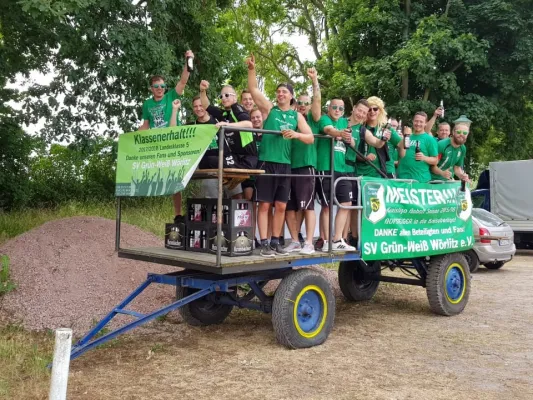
[(486, 218), (478, 200)]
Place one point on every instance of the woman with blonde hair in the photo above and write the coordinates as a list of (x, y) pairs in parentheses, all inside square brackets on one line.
[(375, 122)]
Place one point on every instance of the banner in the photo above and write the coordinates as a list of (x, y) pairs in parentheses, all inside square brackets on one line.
[(160, 161), (409, 220)]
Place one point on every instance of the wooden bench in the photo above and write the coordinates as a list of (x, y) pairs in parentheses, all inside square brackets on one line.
[(231, 177)]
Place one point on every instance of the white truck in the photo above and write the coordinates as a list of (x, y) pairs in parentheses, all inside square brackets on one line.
[(506, 190)]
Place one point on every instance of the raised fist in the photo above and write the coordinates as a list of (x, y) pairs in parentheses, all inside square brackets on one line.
[(176, 104), (250, 61), (311, 73), (189, 53), (204, 85)]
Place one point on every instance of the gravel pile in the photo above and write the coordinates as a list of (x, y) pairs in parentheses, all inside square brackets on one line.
[(68, 275)]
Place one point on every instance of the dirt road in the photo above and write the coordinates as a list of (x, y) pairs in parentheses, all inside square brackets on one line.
[(389, 348)]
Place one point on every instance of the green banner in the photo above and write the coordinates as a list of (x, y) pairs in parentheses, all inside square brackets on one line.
[(160, 161), (409, 219)]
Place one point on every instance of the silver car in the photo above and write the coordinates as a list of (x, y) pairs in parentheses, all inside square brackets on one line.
[(494, 245)]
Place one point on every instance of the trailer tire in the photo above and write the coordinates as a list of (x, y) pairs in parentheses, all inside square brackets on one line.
[(353, 285), (201, 312), (494, 265), (448, 284), (472, 259), (303, 309)]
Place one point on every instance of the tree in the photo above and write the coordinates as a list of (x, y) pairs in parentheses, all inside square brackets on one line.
[(102, 53)]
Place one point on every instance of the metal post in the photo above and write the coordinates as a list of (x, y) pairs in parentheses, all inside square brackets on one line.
[(220, 193), (117, 228), (60, 365), (331, 195)]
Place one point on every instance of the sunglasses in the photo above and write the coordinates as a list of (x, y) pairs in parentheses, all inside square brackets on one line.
[(340, 108), (303, 103), (159, 85), (462, 132), (375, 109), (226, 95)]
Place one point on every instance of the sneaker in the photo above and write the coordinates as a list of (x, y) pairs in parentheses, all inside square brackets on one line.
[(341, 245), (279, 250), (301, 239), (325, 246), (267, 251), (308, 248), (293, 247), (318, 244), (179, 219), (257, 244)]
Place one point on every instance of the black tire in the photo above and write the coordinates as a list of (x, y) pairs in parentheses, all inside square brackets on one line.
[(448, 284), (303, 309), (472, 260), (352, 283), (494, 265), (201, 312)]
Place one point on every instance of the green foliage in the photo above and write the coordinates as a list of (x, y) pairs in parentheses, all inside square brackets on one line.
[(6, 285)]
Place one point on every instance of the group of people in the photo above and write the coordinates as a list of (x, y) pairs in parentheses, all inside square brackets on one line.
[(365, 143)]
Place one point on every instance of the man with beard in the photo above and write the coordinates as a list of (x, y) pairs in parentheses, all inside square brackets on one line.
[(157, 110), (275, 158), (301, 204), (452, 153), (415, 162)]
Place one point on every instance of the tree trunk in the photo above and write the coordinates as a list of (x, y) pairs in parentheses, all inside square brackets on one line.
[(405, 72)]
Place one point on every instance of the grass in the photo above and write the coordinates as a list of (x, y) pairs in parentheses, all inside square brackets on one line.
[(23, 360), (6, 285)]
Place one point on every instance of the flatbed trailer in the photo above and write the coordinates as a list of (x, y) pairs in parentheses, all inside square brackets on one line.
[(209, 286)]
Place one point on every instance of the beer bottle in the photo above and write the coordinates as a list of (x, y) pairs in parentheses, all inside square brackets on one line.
[(203, 243), (442, 106), (191, 212), (203, 212), (406, 140), (190, 65), (225, 219), (387, 126), (417, 149), (214, 215)]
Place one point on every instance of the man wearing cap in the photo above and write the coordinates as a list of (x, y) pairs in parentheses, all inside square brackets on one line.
[(452, 153), (275, 158)]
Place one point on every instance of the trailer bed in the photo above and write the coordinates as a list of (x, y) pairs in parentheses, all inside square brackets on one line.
[(230, 265)]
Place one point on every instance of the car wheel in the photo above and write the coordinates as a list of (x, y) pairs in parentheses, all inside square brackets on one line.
[(472, 259), (494, 265)]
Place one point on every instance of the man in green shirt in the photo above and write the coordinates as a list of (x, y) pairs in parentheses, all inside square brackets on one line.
[(334, 124), (275, 158), (301, 202), (157, 110), (452, 153), (416, 161)]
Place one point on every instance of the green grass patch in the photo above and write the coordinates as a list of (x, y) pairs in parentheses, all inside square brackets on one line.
[(6, 285)]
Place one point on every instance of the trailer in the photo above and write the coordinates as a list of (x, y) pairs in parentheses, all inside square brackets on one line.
[(209, 286)]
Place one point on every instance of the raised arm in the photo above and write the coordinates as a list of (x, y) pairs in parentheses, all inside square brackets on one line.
[(144, 126), (180, 86), (373, 141), (260, 100), (176, 104), (431, 122), (316, 105), (204, 85)]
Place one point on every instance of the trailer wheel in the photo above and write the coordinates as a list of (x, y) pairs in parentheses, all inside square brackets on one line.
[(201, 312), (472, 259), (448, 284), (352, 282), (303, 309)]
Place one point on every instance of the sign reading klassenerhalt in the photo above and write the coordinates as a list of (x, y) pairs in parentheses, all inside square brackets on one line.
[(160, 161), (409, 219)]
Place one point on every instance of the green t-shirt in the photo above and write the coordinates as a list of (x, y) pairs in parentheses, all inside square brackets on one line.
[(363, 169), (393, 153), (323, 148), (351, 157), (302, 154), (449, 157), (158, 113), (275, 148), (409, 168)]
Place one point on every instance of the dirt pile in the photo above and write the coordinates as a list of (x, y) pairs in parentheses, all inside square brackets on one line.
[(68, 275)]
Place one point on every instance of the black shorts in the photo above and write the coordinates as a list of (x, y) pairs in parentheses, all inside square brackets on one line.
[(269, 189), (355, 191), (343, 192), (230, 161), (248, 183), (302, 194)]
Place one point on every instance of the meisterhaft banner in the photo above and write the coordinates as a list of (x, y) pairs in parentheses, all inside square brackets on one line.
[(161, 161), (408, 219)]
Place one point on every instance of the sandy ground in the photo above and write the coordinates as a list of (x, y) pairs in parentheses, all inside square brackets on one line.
[(390, 348)]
